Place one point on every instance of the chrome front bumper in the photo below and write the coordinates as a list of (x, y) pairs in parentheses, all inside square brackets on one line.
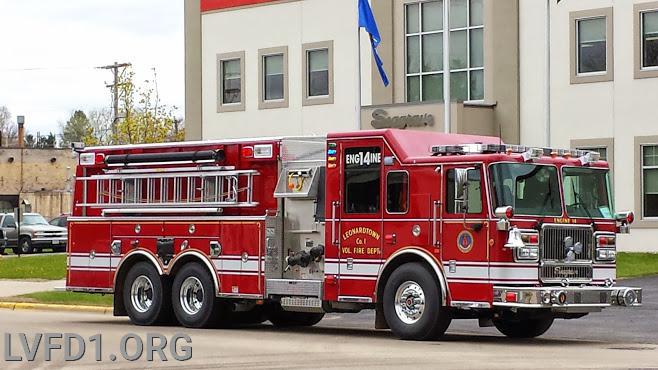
[(570, 299)]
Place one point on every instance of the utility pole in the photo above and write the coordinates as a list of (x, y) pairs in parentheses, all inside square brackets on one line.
[(115, 92)]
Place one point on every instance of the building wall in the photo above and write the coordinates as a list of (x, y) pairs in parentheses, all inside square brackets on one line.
[(45, 180), (620, 110), (291, 24)]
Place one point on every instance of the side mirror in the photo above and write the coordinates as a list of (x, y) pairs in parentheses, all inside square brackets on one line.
[(461, 189)]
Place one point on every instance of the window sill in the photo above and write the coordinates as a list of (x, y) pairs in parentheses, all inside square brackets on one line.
[(318, 100), (273, 104), (647, 72)]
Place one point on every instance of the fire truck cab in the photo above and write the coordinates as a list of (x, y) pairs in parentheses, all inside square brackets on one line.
[(422, 227)]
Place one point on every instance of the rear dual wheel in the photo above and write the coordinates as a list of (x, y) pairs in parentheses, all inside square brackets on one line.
[(193, 298), (145, 296)]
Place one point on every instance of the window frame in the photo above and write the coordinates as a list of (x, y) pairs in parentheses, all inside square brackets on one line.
[(591, 77), (642, 222), (642, 169), (638, 29), (272, 103), (408, 191), (230, 107), (607, 143), (308, 100), (420, 74)]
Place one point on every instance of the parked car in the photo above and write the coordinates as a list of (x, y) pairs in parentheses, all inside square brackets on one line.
[(3, 242), (60, 221), (35, 234)]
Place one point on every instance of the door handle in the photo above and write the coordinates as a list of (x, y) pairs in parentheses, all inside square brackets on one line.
[(334, 214), (390, 238)]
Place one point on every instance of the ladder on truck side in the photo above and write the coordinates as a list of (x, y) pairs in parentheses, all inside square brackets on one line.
[(203, 189)]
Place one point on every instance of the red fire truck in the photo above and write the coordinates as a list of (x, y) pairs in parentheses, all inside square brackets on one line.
[(421, 227)]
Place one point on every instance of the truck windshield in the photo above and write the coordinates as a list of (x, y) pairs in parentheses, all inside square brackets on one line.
[(34, 220), (531, 189), (587, 192)]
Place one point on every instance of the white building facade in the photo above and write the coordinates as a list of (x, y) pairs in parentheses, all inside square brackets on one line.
[(603, 94)]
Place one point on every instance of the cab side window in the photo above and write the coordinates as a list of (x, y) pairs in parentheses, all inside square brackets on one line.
[(474, 190), (8, 221), (397, 192), (363, 179)]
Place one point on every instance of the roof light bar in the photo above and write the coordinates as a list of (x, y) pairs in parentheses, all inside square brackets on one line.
[(586, 156)]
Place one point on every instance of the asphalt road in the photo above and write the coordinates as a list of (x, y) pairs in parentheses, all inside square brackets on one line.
[(616, 338)]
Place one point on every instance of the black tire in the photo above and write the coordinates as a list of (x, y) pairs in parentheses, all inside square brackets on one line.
[(432, 321), (523, 328), (210, 312), (25, 245), (286, 319), (159, 310)]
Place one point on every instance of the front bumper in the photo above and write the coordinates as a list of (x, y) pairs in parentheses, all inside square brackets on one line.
[(568, 299), (49, 242)]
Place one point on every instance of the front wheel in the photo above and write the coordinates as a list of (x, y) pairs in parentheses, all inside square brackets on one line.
[(412, 304), (193, 297), (523, 328), (24, 246)]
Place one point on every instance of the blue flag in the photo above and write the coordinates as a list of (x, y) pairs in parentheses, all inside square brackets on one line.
[(367, 21)]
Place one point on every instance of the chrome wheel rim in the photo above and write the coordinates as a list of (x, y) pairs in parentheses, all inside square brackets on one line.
[(25, 246), (141, 294), (191, 295), (409, 302)]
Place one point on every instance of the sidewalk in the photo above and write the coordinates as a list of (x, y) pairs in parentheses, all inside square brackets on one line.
[(10, 288)]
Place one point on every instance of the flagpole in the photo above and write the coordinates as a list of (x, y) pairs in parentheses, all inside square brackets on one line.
[(358, 108), (446, 67), (547, 75)]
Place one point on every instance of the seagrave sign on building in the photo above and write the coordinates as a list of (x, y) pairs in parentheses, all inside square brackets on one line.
[(381, 119)]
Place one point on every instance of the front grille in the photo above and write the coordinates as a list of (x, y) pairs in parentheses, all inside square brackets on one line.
[(569, 271), (552, 242)]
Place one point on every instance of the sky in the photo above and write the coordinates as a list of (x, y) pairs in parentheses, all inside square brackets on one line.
[(49, 50)]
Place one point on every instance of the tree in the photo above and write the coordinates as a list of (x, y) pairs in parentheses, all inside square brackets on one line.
[(77, 129), (30, 141), (46, 141), (8, 129), (144, 119), (101, 124)]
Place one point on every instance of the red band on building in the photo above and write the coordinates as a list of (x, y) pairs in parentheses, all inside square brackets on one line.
[(207, 5)]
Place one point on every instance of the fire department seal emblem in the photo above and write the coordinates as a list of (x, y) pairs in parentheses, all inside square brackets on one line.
[(465, 241)]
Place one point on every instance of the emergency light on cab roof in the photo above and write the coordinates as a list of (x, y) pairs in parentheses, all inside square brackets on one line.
[(528, 152)]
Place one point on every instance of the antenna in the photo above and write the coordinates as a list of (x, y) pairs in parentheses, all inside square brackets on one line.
[(500, 133)]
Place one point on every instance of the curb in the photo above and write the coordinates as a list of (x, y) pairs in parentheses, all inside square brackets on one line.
[(54, 307)]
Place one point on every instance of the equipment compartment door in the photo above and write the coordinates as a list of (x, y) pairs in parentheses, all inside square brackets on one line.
[(465, 234), (89, 255), (360, 227), (241, 260)]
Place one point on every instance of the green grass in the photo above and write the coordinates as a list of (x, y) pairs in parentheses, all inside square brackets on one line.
[(69, 298), (47, 267), (636, 264)]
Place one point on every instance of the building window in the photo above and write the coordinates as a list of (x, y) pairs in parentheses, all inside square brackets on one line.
[(424, 50), (649, 181), (645, 27), (603, 151), (397, 192), (650, 39), (318, 73), (362, 179), (273, 83), (591, 45), (591, 36), (230, 70)]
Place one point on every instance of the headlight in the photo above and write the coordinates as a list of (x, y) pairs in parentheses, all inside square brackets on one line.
[(527, 253), (606, 254)]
